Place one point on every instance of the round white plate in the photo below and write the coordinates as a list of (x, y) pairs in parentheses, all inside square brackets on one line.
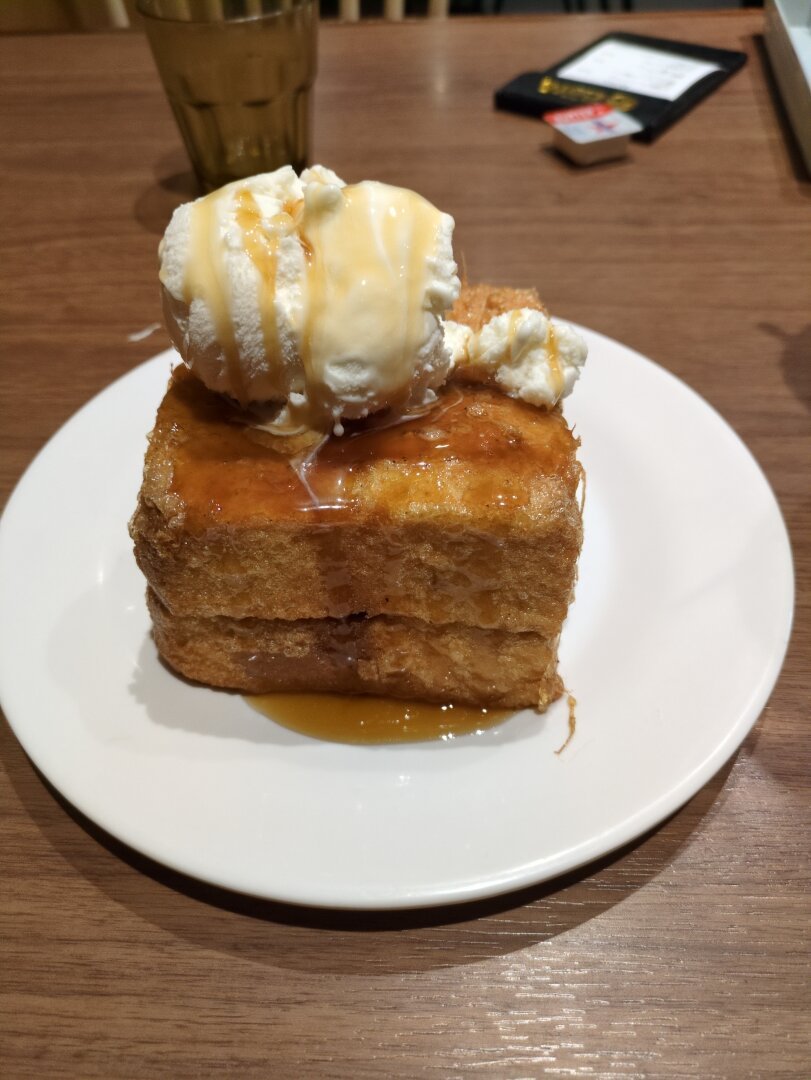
[(680, 625)]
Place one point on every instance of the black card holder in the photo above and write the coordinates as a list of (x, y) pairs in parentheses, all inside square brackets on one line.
[(536, 92)]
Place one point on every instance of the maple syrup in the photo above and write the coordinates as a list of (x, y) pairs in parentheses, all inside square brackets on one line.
[(487, 445), (374, 720), (262, 245)]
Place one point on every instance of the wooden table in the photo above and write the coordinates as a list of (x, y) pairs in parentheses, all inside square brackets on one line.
[(682, 956)]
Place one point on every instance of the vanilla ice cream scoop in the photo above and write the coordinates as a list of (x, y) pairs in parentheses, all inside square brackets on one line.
[(322, 297)]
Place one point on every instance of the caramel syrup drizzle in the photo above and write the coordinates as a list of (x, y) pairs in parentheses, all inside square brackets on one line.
[(206, 277), (262, 245)]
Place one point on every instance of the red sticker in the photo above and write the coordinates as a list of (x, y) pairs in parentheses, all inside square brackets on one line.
[(576, 115)]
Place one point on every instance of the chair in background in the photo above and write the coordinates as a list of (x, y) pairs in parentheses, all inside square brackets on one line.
[(64, 16), (49, 16), (394, 10)]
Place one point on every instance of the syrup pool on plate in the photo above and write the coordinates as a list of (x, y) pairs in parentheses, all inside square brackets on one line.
[(374, 720)]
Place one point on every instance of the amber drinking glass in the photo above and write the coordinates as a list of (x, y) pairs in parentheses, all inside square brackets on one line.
[(238, 75)]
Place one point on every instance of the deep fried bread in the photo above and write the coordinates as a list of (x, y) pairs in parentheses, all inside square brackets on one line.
[(466, 515), (478, 304), (432, 558), (391, 656)]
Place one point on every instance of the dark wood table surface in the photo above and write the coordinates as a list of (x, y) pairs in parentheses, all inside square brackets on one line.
[(684, 955)]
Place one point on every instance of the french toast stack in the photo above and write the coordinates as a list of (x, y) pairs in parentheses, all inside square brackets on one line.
[(431, 559)]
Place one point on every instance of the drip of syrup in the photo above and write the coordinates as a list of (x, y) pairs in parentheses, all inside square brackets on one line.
[(206, 276)]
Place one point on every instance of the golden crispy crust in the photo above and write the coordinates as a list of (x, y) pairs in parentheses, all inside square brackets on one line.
[(478, 304), (395, 657), (468, 517)]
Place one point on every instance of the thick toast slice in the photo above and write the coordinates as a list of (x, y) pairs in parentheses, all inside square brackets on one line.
[(469, 515), (390, 656), (444, 548)]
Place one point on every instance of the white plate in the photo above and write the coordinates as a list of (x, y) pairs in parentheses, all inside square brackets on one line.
[(676, 638)]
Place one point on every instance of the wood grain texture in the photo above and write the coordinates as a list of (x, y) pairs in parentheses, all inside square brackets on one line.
[(683, 956)]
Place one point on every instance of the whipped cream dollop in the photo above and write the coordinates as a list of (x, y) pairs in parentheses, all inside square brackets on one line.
[(523, 353), (321, 297)]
